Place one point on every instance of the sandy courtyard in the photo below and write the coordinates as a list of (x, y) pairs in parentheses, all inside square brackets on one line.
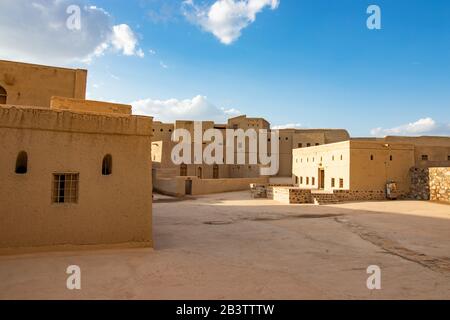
[(229, 246)]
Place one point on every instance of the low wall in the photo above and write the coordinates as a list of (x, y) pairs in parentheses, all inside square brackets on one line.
[(169, 186), (356, 195), (176, 186), (430, 184), (291, 195), (209, 186)]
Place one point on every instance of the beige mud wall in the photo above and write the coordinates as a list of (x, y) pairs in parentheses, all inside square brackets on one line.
[(176, 186), (34, 85), (111, 209), (61, 103), (372, 175), (291, 139), (333, 158)]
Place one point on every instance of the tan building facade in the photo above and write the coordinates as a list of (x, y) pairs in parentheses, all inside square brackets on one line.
[(164, 167), (34, 85), (75, 173), (367, 165)]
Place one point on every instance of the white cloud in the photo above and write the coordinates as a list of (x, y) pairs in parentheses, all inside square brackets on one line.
[(288, 126), (123, 39), (226, 19), (197, 108), (36, 31), (163, 65), (424, 126)]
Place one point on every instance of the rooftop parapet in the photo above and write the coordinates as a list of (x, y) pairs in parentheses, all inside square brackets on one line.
[(36, 118), (62, 103)]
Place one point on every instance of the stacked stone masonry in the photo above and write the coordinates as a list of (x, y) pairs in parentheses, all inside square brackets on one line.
[(356, 195), (430, 184), (440, 184)]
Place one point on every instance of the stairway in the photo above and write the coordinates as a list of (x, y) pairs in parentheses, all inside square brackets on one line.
[(325, 198)]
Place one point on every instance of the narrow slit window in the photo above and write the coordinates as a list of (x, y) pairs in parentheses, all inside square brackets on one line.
[(22, 163), (3, 95), (107, 165)]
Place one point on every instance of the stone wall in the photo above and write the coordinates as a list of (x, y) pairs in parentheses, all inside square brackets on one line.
[(356, 195), (258, 191), (439, 179), (430, 184), (291, 195), (420, 184)]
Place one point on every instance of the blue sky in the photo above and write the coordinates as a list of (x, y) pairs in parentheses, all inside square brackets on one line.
[(312, 63)]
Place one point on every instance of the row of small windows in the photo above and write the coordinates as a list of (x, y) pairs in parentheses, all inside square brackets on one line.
[(184, 171), (313, 159), (425, 157), (372, 157), (162, 130), (313, 181), (300, 145), (22, 164)]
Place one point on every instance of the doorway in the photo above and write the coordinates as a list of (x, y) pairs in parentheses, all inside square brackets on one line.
[(188, 187), (321, 179), (216, 172)]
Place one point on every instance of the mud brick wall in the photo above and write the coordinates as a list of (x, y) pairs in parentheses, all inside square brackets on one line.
[(269, 189)]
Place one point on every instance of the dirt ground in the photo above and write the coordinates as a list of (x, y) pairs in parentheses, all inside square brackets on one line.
[(229, 246)]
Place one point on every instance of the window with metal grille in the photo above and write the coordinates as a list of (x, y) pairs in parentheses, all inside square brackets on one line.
[(425, 157), (341, 183), (65, 187), (333, 182)]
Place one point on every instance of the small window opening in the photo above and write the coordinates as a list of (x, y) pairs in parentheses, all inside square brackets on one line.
[(22, 163), (107, 165)]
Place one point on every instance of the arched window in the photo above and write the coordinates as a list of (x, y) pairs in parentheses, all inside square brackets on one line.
[(3, 95), (22, 163), (183, 170), (107, 165)]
